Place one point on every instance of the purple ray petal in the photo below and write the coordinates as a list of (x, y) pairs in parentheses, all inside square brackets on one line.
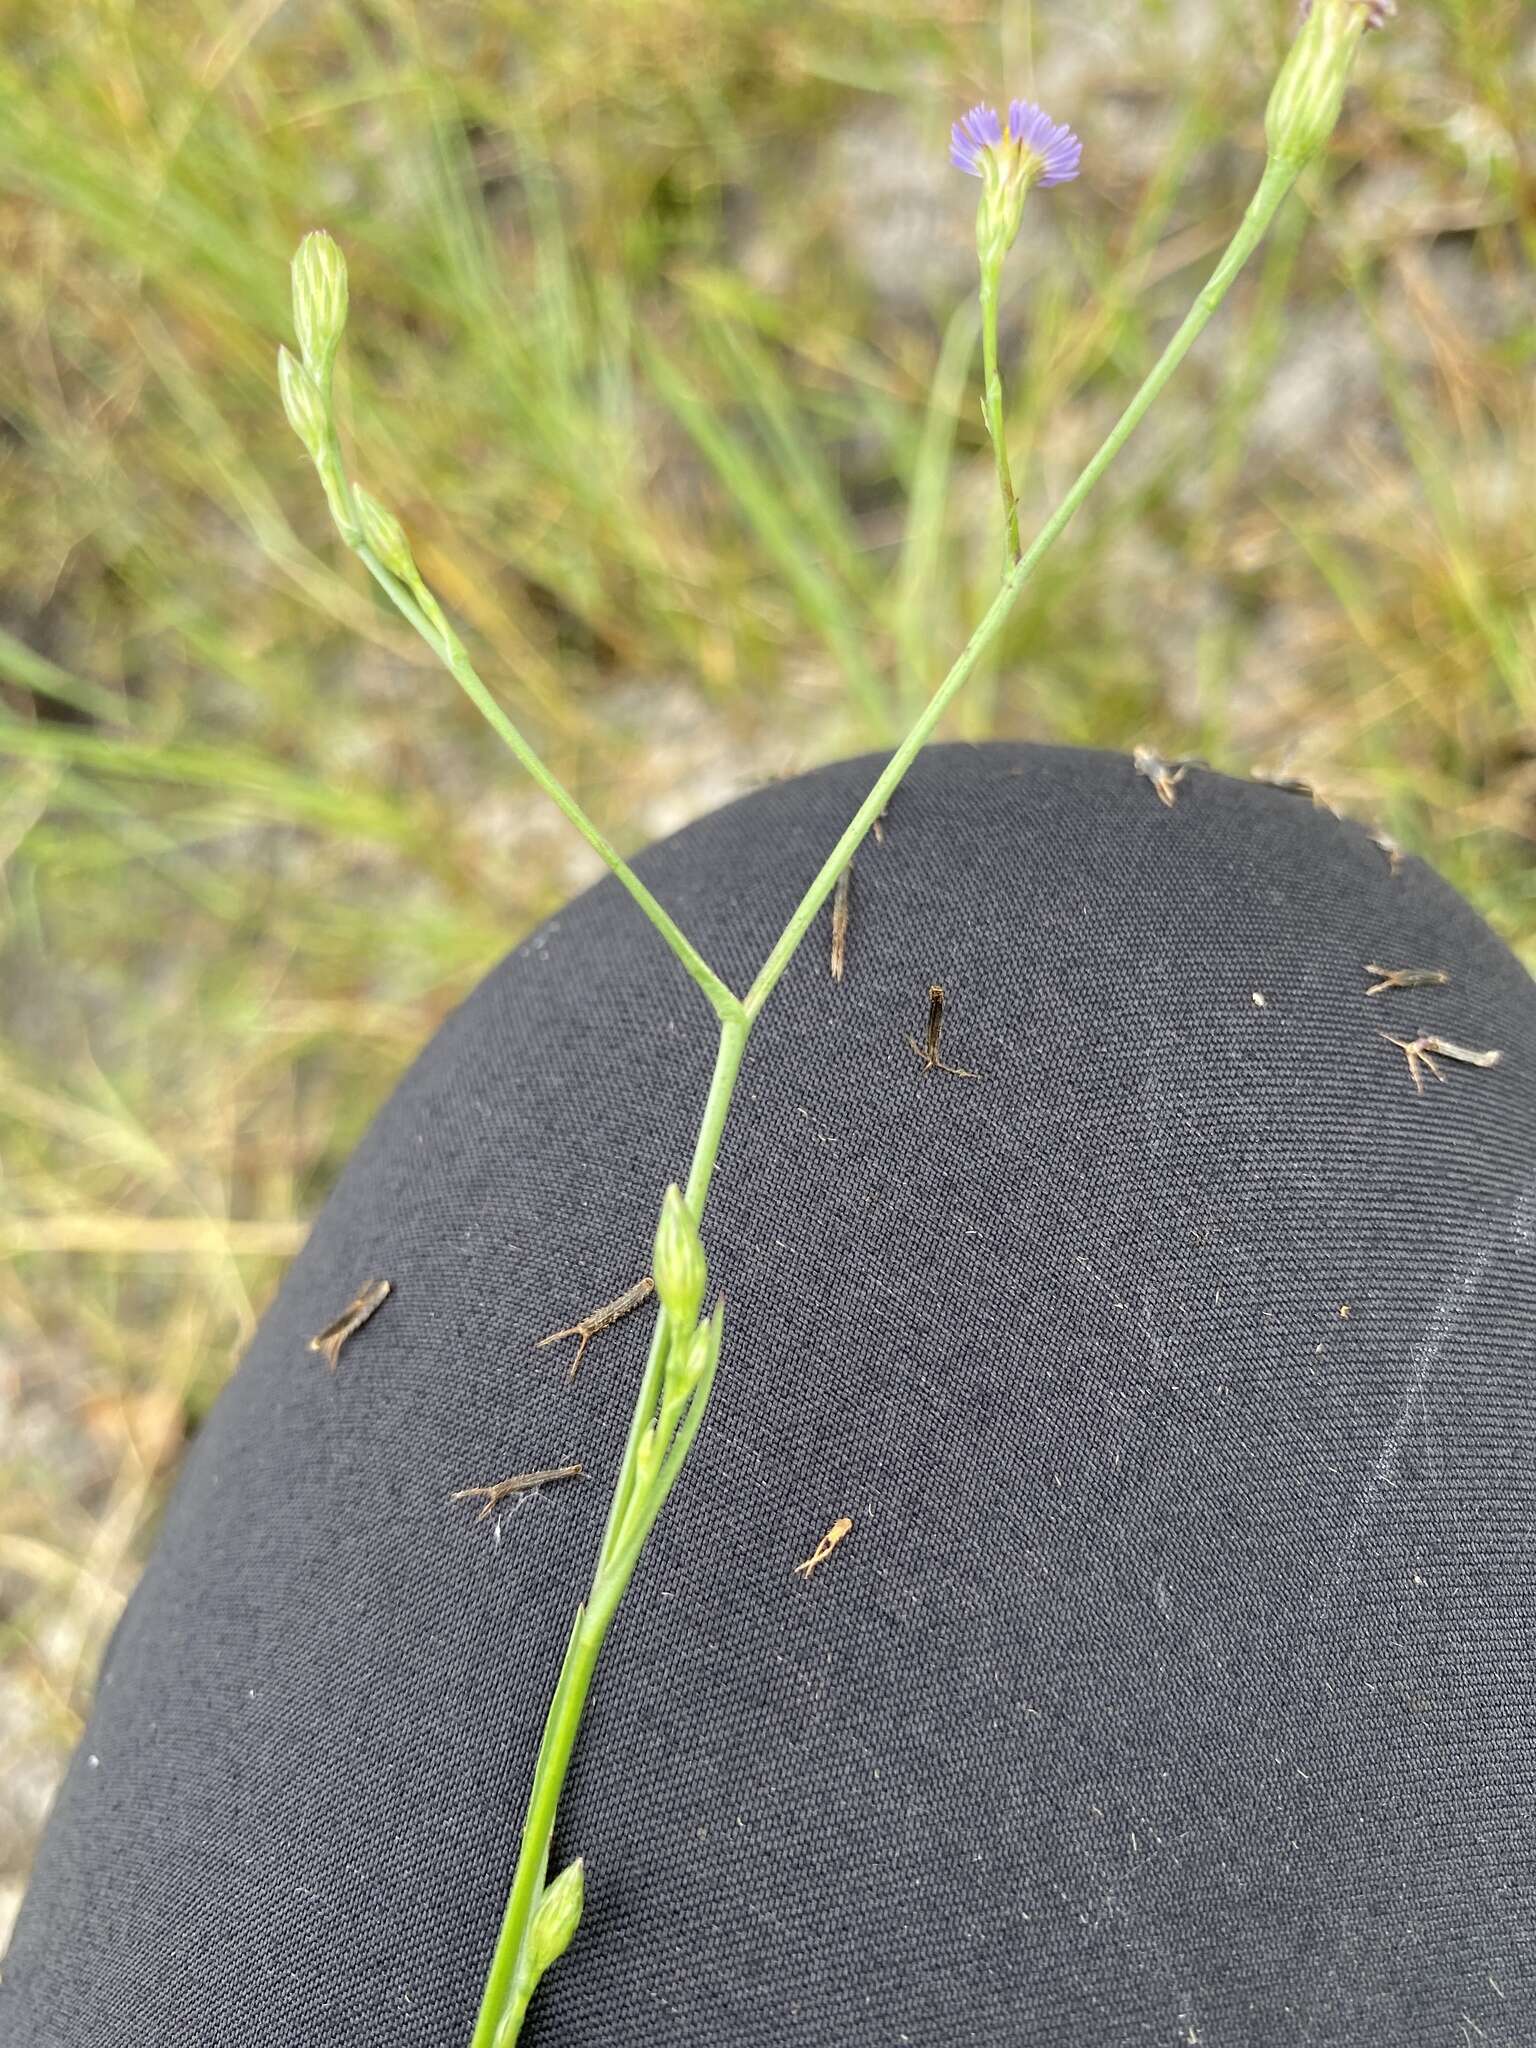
[(980, 129), (1059, 151)]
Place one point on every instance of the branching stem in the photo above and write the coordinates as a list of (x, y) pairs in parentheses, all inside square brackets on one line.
[(637, 1501)]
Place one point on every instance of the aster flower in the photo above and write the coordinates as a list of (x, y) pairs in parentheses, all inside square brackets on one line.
[(1041, 152), (1032, 151), (1035, 150), (976, 131), (1051, 145)]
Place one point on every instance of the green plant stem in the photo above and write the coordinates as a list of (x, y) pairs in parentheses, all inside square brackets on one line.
[(506, 1997), (1276, 182), (420, 608), (450, 651), (503, 2001), (992, 404)]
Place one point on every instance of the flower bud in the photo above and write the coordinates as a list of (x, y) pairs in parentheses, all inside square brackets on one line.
[(714, 1332), (304, 402), (680, 1270), (319, 302), (384, 535), (691, 1361), (1308, 97), (648, 1457), (555, 1920)]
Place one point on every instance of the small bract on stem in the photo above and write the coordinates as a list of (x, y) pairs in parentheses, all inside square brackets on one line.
[(542, 1914)]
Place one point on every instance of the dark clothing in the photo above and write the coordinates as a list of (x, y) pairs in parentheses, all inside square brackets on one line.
[(1175, 1682)]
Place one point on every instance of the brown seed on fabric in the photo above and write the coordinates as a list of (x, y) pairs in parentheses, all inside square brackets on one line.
[(350, 1321), (521, 1482), (1406, 977), (842, 908), (1419, 1053), (600, 1319), (1164, 776), (928, 1052)]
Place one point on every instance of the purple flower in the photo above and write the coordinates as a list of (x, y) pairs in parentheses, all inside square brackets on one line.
[(1057, 149), (1042, 152), (981, 129)]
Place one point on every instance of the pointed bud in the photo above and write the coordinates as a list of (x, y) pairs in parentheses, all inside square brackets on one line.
[(319, 302), (305, 405), (383, 533), (680, 1269), (555, 1920), (1308, 98), (649, 1454), (691, 1362)]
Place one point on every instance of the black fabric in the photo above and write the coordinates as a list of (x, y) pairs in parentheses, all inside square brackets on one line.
[(1174, 1685)]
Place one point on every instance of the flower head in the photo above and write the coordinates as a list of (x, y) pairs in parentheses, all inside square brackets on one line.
[(556, 1918), (979, 130), (1308, 97), (1034, 151), (1037, 148), (305, 404), (1053, 147), (319, 302), (383, 533), (679, 1266)]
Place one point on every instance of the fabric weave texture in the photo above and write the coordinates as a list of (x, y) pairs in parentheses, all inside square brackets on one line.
[(1174, 1684)]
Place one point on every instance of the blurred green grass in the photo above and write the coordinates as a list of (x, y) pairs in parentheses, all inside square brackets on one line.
[(662, 347)]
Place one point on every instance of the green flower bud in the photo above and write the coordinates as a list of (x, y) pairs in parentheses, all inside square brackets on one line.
[(1308, 97), (679, 1269), (555, 1921), (319, 302), (648, 1456), (383, 533), (691, 1357), (691, 1361), (304, 402)]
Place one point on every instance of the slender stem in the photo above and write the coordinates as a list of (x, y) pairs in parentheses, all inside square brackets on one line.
[(506, 1995), (450, 651), (497, 1999), (507, 1992), (511, 1984), (1276, 182), (706, 1148), (992, 403)]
